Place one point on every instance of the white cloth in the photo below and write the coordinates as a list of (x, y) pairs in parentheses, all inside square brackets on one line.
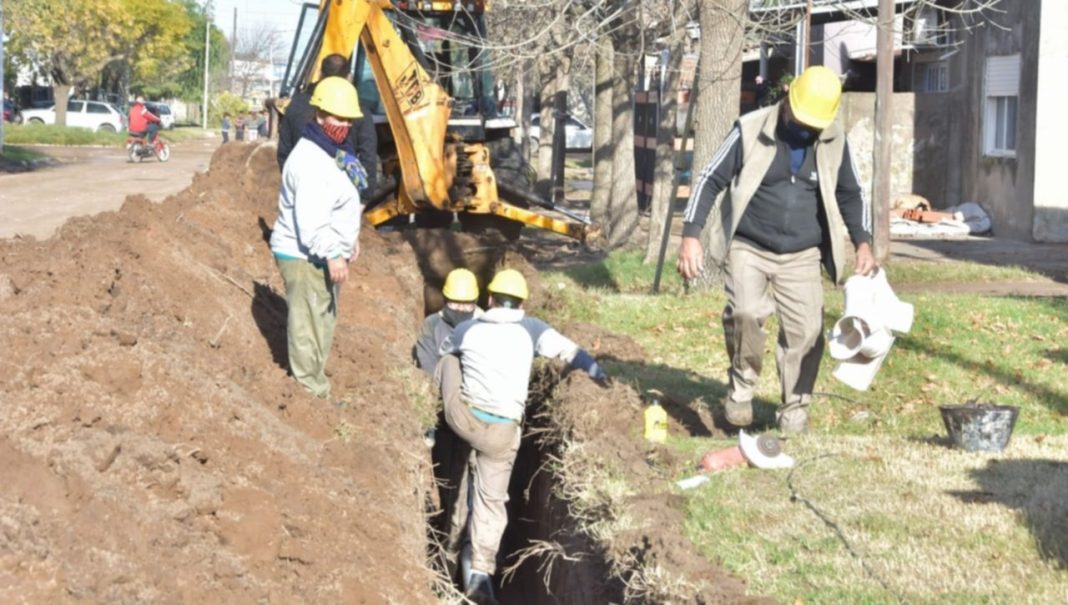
[(319, 209), (862, 338), (497, 351)]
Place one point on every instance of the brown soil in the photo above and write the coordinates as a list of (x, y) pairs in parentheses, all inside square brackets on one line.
[(607, 422), (153, 448)]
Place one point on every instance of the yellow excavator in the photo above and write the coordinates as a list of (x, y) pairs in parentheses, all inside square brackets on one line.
[(422, 70)]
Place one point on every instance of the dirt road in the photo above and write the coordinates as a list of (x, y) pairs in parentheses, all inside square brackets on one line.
[(88, 180)]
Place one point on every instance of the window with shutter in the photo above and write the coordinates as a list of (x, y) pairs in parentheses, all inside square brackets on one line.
[(1002, 91)]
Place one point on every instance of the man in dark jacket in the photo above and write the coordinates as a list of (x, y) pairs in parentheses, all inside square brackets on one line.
[(299, 112), (784, 196)]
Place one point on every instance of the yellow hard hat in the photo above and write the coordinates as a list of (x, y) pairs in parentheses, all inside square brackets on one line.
[(510, 283), (814, 96), (461, 286), (336, 95)]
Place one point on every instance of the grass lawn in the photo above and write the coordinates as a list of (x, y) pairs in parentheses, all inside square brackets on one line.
[(878, 510), (49, 134), (13, 153)]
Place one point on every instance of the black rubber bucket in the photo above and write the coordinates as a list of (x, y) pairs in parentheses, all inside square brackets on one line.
[(979, 427)]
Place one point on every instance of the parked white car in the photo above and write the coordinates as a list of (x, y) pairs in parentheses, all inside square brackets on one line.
[(163, 112), (577, 136), (94, 115)]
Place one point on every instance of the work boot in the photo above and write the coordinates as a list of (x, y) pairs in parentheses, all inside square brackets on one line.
[(792, 419), (738, 413), (479, 589)]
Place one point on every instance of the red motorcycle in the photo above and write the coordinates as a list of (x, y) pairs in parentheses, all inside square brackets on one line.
[(138, 148)]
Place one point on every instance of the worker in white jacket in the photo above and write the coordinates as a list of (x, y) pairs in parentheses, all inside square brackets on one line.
[(315, 235), (484, 374)]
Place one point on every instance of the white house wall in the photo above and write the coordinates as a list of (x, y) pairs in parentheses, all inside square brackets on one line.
[(1051, 195)]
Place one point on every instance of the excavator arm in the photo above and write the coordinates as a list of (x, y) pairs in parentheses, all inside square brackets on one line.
[(437, 170)]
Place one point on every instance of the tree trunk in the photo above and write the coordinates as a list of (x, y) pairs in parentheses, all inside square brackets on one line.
[(560, 111), (523, 99), (719, 79), (623, 207), (547, 87), (663, 199), (603, 144), (60, 92)]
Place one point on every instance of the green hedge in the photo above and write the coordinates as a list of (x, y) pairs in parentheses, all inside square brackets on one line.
[(47, 134)]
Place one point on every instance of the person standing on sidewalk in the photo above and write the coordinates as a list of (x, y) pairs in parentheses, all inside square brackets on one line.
[(315, 236), (239, 127), (226, 127), (790, 197), (483, 377)]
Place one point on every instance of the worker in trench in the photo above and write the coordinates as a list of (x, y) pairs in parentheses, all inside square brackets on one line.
[(483, 377), (790, 198), (315, 235), (461, 303), (450, 453)]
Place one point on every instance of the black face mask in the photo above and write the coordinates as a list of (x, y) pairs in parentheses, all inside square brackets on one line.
[(801, 132), (454, 317)]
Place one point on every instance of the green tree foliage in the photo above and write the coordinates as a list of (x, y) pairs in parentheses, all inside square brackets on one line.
[(70, 41), (226, 103), (154, 47), (190, 83), (147, 46)]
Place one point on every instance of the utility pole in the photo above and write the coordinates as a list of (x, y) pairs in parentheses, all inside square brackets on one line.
[(884, 91), (233, 49), (806, 49), (207, 66)]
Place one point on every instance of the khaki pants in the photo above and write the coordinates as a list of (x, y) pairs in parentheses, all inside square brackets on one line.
[(312, 303), (759, 283), (493, 447)]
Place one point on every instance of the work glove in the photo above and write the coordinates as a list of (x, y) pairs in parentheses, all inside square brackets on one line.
[(598, 376), (585, 362), (353, 168)]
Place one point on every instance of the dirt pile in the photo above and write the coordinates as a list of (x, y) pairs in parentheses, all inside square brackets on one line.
[(616, 487), (152, 448)]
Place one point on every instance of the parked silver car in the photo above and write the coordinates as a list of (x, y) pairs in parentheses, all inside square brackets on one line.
[(577, 136), (94, 115)]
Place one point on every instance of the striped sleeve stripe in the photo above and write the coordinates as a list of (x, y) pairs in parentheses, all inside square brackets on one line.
[(721, 153)]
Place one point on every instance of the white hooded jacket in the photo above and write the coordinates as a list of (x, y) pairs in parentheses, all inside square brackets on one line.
[(319, 209)]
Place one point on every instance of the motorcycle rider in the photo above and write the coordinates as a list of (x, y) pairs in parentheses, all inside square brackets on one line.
[(143, 123)]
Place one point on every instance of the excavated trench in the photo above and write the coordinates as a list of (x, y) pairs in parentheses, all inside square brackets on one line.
[(575, 570), (543, 557)]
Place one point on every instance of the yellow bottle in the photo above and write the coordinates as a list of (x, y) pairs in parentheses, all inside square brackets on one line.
[(655, 423)]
